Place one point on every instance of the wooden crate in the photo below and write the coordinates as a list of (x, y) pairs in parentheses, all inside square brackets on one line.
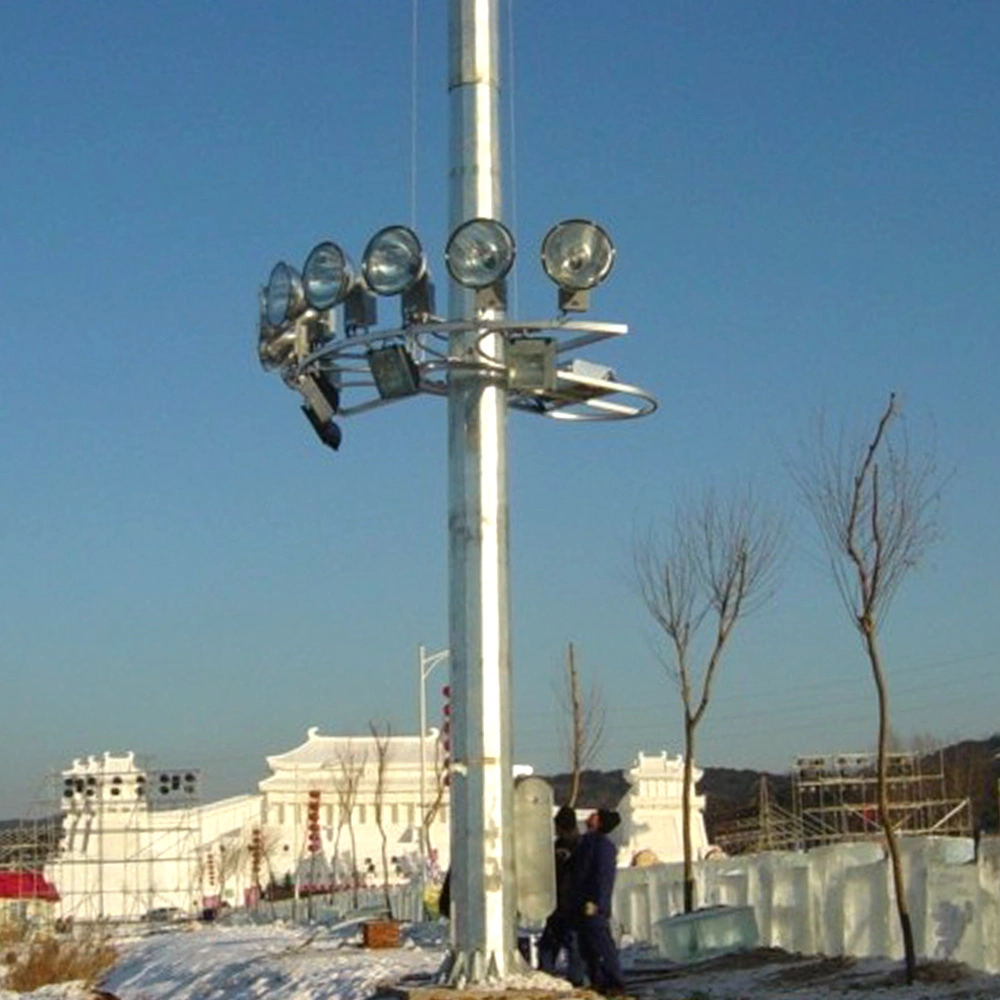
[(380, 934)]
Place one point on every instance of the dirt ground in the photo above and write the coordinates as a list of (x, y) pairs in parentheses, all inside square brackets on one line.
[(770, 972)]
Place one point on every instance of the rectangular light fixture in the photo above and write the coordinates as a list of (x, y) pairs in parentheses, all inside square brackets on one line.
[(531, 363), (322, 396), (395, 372), (584, 380)]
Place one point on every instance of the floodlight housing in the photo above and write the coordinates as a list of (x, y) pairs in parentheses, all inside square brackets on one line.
[(531, 363), (326, 430), (360, 309), (395, 372), (275, 344), (322, 403), (417, 303), (283, 295), (583, 380), (480, 253), (327, 276), (577, 255), (394, 261), (322, 396)]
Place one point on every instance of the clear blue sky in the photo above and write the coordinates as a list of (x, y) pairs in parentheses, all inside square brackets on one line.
[(805, 202)]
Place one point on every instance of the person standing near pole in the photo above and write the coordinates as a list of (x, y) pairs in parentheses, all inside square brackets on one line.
[(594, 869), (561, 926)]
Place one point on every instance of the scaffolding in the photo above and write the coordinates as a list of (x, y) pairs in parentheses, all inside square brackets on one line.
[(27, 845), (128, 839), (835, 800), (836, 797), (770, 827)]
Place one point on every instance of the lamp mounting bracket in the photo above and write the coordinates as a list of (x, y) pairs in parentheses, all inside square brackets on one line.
[(579, 391)]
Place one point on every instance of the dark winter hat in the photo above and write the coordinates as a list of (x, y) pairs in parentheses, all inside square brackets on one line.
[(565, 818), (609, 819)]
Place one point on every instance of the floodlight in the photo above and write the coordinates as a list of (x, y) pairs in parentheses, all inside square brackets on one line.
[(327, 276), (393, 261), (577, 255), (283, 296), (322, 402), (327, 431), (480, 253), (395, 372)]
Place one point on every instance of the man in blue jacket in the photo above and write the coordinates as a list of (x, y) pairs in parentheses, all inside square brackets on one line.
[(594, 868), (560, 933)]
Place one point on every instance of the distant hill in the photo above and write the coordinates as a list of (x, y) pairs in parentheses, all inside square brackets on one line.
[(598, 789), (971, 771)]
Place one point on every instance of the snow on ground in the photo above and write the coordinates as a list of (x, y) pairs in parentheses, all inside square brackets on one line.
[(280, 963), (229, 962)]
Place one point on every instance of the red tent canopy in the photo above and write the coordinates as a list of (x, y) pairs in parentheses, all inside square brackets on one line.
[(27, 885)]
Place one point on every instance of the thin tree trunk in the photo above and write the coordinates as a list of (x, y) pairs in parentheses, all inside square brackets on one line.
[(354, 866), (385, 875), (689, 728), (885, 818), (576, 752)]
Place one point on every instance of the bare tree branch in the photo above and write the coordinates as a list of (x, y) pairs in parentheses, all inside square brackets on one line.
[(351, 768), (717, 564), (876, 508), (382, 738), (584, 728)]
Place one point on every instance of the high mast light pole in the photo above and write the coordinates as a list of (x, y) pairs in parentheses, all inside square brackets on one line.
[(482, 828), (319, 330)]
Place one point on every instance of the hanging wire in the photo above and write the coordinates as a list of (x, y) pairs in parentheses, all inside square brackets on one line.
[(414, 52), (513, 143)]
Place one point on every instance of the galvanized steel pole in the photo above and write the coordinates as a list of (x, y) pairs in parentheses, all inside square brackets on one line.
[(484, 942)]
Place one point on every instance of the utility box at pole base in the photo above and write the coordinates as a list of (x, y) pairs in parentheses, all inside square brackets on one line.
[(534, 851)]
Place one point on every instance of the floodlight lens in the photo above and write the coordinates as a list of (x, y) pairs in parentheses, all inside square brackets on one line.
[(394, 261), (480, 253), (283, 295), (327, 276), (577, 254)]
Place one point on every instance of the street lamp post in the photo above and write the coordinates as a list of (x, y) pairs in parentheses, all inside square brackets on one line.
[(427, 662), (319, 329)]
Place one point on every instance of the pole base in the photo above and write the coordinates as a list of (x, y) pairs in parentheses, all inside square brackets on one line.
[(468, 968)]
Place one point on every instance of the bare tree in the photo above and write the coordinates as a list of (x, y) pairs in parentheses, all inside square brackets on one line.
[(382, 738), (875, 504), (716, 566), (351, 768), (266, 846), (433, 808), (233, 856), (584, 731)]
